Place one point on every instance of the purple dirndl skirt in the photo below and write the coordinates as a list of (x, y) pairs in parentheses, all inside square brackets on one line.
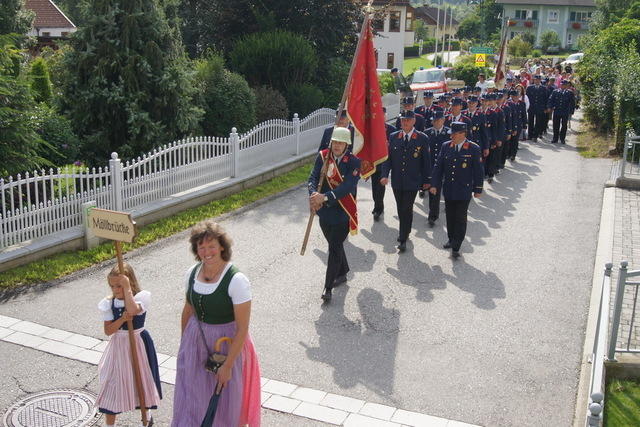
[(195, 385)]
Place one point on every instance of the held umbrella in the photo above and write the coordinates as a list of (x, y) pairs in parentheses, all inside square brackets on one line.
[(214, 362)]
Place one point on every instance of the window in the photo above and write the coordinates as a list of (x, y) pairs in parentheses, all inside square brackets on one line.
[(408, 23), (394, 22), (579, 16), (64, 33), (390, 60), (46, 34), (526, 14), (378, 24), (512, 35), (553, 17), (569, 38)]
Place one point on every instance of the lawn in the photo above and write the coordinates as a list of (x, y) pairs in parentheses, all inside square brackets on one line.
[(412, 64), (591, 143), (60, 265), (622, 404)]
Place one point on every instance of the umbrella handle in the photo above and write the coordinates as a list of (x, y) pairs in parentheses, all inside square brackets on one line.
[(219, 342)]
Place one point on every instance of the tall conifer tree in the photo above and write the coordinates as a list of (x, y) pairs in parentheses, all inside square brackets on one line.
[(129, 88)]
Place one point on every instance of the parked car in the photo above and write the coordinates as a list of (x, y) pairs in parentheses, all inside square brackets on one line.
[(572, 59), (437, 80)]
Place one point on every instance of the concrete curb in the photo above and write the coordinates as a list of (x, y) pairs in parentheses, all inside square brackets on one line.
[(604, 254)]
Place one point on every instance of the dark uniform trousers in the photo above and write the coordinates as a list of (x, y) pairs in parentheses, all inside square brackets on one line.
[(404, 202), (337, 264), (434, 205), (378, 191), (560, 122), (456, 212)]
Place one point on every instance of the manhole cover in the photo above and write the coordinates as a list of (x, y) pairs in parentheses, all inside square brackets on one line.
[(53, 408)]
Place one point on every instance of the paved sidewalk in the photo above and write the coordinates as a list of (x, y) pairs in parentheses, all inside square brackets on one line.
[(626, 247)]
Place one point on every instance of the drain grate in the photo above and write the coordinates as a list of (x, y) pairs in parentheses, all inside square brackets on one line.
[(53, 408)]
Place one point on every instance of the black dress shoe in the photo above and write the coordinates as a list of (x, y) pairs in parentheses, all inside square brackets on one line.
[(402, 247), (340, 280), (490, 180), (562, 142), (431, 222), (326, 295), (421, 194), (447, 245), (398, 239), (455, 254), (376, 216)]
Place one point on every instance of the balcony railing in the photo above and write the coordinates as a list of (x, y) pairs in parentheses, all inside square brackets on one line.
[(578, 25), (522, 23)]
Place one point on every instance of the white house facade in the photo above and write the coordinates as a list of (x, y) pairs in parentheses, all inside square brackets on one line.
[(50, 22), (394, 28)]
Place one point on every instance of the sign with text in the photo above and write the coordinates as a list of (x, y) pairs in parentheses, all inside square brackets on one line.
[(481, 60), (112, 225), (479, 49)]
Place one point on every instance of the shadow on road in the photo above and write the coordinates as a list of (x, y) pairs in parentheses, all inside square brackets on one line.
[(354, 348)]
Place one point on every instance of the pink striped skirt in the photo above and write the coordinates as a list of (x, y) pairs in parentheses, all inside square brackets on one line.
[(117, 384)]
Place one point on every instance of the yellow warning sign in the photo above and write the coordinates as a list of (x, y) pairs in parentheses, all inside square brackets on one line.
[(481, 59)]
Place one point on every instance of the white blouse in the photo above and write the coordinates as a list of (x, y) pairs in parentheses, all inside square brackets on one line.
[(239, 287), (143, 298)]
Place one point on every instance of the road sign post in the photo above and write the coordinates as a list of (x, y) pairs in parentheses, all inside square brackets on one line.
[(480, 49), (119, 227)]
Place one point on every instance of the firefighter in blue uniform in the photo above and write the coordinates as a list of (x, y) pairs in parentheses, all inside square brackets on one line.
[(426, 110), (334, 221), (562, 103), (436, 135), (519, 109), (408, 104), (456, 114), (410, 167), (378, 189), (549, 83), (459, 173), (478, 132), (509, 112), (496, 122), (343, 122), (537, 95)]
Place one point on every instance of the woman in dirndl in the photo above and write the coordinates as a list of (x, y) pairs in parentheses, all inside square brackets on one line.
[(217, 305)]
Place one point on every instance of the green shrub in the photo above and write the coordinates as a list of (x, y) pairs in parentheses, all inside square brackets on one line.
[(549, 38), (518, 47), (528, 37), (57, 131), (278, 59), (536, 53), (304, 99), (411, 51), (386, 84), (227, 99), (270, 104), (332, 80), (469, 73), (40, 81)]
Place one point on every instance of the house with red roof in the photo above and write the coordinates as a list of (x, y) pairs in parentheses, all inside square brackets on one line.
[(50, 23)]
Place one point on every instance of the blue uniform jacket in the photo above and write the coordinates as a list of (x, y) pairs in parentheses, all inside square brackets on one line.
[(500, 129), (419, 124), (479, 131), (538, 96), (409, 163), (519, 115), (326, 138), (563, 102), (436, 139), (508, 119), (331, 212), (458, 173)]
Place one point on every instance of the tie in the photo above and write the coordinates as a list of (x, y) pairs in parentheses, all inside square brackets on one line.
[(406, 139)]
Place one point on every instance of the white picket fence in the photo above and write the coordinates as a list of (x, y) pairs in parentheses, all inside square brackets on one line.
[(41, 203), (38, 204)]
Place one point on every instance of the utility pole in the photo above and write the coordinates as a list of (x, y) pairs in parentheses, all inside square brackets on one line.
[(435, 35)]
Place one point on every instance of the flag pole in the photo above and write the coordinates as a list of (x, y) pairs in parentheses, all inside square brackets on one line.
[(323, 172)]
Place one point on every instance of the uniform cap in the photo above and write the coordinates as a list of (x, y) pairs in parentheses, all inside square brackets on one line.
[(513, 92), (565, 82), (407, 114), (427, 94), (477, 89), (472, 98), (458, 127), (456, 101), (438, 115), (344, 113), (341, 135), (407, 100)]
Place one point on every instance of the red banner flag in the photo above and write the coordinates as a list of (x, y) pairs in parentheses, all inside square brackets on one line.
[(364, 107)]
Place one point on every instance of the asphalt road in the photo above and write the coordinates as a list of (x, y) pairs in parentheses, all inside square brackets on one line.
[(493, 338)]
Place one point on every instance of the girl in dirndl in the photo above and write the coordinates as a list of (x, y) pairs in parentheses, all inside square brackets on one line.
[(117, 384), (218, 304)]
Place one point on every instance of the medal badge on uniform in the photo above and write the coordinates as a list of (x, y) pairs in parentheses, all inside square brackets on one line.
[(464, 165)]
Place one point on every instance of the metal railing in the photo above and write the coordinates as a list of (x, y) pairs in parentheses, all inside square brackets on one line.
[(623, 281), (598, 355), (631, 156)]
